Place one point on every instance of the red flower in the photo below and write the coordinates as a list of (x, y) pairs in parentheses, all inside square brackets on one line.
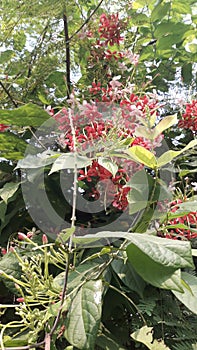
[(3, 127), (189, 118)]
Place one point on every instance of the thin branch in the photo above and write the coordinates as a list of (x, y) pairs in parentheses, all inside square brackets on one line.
[(9, 95), (38, 46), (86, 21), (73, 219), (67, 40)]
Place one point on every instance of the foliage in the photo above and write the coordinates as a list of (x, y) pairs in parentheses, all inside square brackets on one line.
[(98, 193)]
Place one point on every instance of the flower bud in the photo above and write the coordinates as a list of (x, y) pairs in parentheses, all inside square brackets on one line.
[(21, 236), (20, 300), (44, 239)]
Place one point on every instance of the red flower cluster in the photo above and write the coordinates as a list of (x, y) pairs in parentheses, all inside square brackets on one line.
[(3, 127), (110, 28), (189, 118), (189, 220), (95, 174)]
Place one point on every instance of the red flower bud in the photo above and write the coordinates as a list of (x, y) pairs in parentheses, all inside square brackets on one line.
[(21, 236), (20, 300), (44, 239), (3, 251)]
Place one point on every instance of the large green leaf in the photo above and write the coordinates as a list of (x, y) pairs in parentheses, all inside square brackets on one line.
[(8, 190), (157, 274), (175, 254), (68, 160), (142, 155), (128, 276), (27, 115), (12, 147), (160, 11), (170, 155), (145, 335), (109, 165), (189, 297), (104, 341), (83, 318), (37, 161), (10, 265), (164, 124)]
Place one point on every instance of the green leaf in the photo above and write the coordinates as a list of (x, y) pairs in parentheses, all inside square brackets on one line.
[(3, 208), (75, 278), (143, 131), (83, 318), (109, 165), (27, 115), (64, 235), (145, 335), (157, 274), (5, 56), (142, 155), (68, 160), (189, 295), (187, 73), (170, 155), (160, 11), (128, 276), (10, 265), (189, 206), (163, 250), (8, 190), (175, 254), (164, 124), (37, 161), (104, 341), (12, 147)]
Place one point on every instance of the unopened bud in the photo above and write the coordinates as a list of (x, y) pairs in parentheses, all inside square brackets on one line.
[(3, 251), (44, 239), (20, 300), (21, 236)]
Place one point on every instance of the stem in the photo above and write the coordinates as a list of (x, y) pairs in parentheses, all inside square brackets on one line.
[(73, 219), (130, 301), (67, 40), (9, 95)]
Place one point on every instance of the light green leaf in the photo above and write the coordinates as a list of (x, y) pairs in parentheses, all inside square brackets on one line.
[(170, 155), (27, 115), (109, 165), (142, 155), (164, 124), (189, 295), (8, 190), (67, 161), (143, 131), (83, 318), (37, 161), (65, 234), (194, 252), (189, 206), (145, 335)]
